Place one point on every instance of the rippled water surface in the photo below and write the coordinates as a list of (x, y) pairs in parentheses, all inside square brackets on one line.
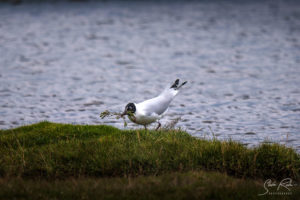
[(67, 62)]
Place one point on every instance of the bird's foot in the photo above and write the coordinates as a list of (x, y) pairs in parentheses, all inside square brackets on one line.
[(159, 125), (145, 127)]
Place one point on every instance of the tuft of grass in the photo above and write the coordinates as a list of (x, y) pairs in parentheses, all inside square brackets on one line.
[(51, 150)]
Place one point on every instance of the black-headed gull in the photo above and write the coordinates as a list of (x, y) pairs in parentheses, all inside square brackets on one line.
[(151, 110)]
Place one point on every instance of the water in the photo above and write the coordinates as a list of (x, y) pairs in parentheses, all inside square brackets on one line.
[(68, 62)]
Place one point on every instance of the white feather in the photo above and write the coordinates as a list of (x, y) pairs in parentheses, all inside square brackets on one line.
[(153, 109)]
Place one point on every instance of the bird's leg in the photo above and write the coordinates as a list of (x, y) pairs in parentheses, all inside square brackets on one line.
[(159, 125), (145, 127)]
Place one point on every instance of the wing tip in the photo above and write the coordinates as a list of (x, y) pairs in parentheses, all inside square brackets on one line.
[(176, 83)]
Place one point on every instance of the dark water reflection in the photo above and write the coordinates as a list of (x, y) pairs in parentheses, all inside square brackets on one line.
[(67, 62)]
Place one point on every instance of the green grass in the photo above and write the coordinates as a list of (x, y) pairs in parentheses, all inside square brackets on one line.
[(89, 160), (59, 150), (188, 185)]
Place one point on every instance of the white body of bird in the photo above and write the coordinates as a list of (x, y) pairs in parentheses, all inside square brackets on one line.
[(151, 110)]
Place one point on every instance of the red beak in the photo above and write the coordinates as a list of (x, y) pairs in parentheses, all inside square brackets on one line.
[(124, 113)]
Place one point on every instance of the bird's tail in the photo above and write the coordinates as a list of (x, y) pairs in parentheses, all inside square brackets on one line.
[(176, 85)]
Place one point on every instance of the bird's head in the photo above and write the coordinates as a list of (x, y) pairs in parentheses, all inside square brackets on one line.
[(129, 109)]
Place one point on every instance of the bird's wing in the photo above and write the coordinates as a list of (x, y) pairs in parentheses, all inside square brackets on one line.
[(155, 106), (173, 90), (160, 104)]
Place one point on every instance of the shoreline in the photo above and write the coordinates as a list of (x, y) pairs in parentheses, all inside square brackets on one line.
[(136, 152)]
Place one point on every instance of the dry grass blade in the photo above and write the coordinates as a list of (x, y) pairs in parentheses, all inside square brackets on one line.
[(171, 125), (107, 113)]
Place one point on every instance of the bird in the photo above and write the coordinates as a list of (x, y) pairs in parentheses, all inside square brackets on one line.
[(151, 110)]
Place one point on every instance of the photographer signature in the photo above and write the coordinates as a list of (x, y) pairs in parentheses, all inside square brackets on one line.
[(286, 183)]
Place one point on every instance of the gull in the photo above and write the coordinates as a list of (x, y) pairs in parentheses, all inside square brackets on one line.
[(152, 110)]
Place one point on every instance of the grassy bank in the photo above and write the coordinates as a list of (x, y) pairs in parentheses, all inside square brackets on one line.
[(57, 150), (85, 158)]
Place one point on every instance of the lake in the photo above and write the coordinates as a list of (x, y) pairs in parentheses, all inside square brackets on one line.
[(69, 61)]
